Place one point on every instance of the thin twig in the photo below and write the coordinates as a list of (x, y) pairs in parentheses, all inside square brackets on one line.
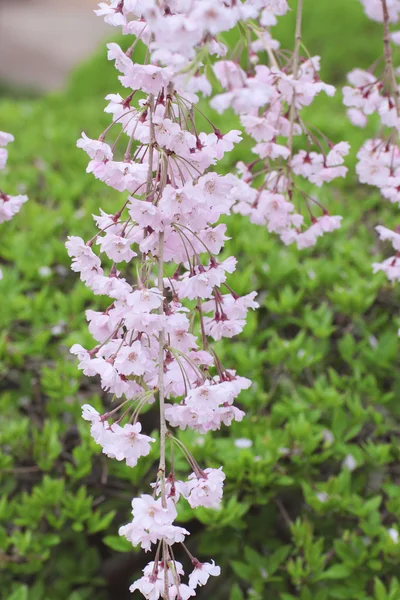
[(296, 61)]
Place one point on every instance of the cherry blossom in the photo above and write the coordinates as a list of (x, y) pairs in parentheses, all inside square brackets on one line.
[(9, 205), (376, 92), (152, 341), (268, 100), (202, 572), (153, 521), (122, 443), (373, 10), (205, 489), (96, 149)]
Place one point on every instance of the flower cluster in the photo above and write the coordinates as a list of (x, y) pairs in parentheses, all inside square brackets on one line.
[(268, 100), (369, 93), (375, 11), (153, 342), (390, 266), (9, 205)]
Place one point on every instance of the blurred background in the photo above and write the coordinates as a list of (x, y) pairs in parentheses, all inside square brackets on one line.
[(42, 40), (312, 496)]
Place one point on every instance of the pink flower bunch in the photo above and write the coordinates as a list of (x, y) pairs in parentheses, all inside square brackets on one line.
[(180, 35), (269, 100), (9, 205), (152, 343), (371, 93), (152, 584), (374, 10), (390, 266)]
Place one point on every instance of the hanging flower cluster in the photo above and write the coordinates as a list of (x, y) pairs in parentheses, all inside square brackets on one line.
[(269, 99), (152, 343), (374, 10), (376, 92), (9, 205)]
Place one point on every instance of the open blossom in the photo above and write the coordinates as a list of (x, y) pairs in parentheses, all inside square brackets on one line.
[(97, 150), (307, 238), (151, 585), (390, 266), (371, 93), (117, 247), (207, 407), (5, 138), (202, 572), (373, 9), (357, 117), (131, 360), (229, 316), (388, 234), (202, 281), (152, 522), (268, 100), (122, 443), (206, 489), (155, 575), (9, 205), (157, 259)]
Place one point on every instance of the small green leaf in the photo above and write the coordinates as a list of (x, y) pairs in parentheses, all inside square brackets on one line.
[(117, 543), (20, 594), (379, 590), (336, 572), (236, 593)]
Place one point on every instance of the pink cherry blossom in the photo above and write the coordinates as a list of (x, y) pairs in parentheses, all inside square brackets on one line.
[(156, 259), (97, 150), (152, 522), (202, 572), (388, 234), (206, 489), (9, 205), (5, 138)]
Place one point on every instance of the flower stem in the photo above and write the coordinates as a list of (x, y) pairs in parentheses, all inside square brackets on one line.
[(296, 62), (160, 262), (163, 425)]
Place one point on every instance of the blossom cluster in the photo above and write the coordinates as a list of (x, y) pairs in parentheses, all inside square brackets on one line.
[(375, 11), (9, 205), (154, 341), (375, 92), (269, 100)]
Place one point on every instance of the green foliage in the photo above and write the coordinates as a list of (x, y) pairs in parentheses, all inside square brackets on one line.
[(297, 523)]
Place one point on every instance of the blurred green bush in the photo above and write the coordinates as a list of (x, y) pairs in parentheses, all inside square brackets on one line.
[(312, 508)]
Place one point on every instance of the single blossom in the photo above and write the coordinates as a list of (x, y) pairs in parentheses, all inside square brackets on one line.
[(202, 572)]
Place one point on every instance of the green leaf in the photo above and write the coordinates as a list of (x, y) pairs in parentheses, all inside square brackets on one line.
[(243, 570), (277, 559), (118, 543), (236, 593), (336, 572), (379, 590), (20, 594), (99, 522)]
